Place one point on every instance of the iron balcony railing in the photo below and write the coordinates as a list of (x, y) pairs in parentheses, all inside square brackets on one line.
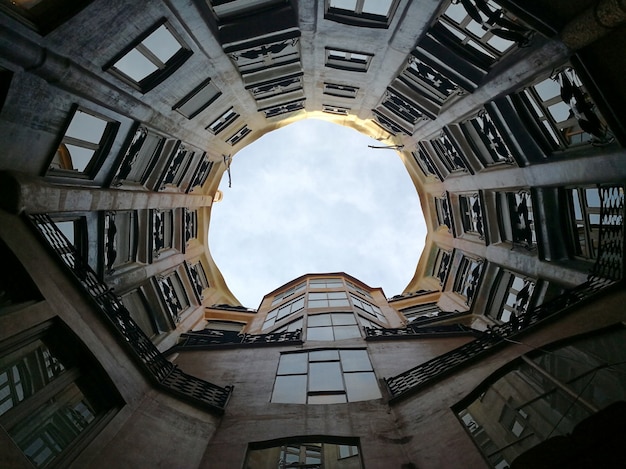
[(159, 370), (209, 339), (608, 270)]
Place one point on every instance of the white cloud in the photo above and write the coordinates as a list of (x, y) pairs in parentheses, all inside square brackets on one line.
[(311, 197)]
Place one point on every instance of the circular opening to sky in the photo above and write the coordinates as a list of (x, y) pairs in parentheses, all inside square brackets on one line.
[(312, 197)]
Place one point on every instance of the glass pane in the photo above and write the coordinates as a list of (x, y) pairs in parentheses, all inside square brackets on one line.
[(318, 303), (355, 360), (80, 156), (548, 89), (377, 7), (317, 296), (319, 333), (593, 197), (337, 294), (323, 355), (456, 12), (327, 399), (200, 99), (135, 65), (162, 44), (341, 319), (325, 376), (346, 332), (338, 303), (319, 320), (86, 127), (290, 389), (560, 112), (344, 4), (361, 386), (292, 363)]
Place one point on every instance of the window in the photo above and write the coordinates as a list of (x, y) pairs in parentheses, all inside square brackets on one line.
[(162, 230), (307, 452), (348, 60), (198, 279), (284, 311), (85, 144), (326, 283), (584, 206), (517, 222), (289, 292), (229, 8), (191, 224), (427, 310), (120, 239), (198, 100), (483, 26), (238, 136), (368, 307), (425, 163), (284, 54), (140, 157), (402, 108), (358, 289), (511, 297), (283, 108), (367, 13), (75, 230), (325, 377), (201, 173), (341, 91), (467, 278), (232, 326), (472, 215), (276, 87), (223, 121), (333, 326), (564, 113), (173, 294), (154, 57), (291, 327), (441, 267), (143, 314), (449, 154), (334, 299), (51, 393), (548, 393), (332, 109), (486, 140), (43, 15), (442, 206), (175, 171)]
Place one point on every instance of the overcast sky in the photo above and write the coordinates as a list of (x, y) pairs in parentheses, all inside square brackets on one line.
[(312, 197)]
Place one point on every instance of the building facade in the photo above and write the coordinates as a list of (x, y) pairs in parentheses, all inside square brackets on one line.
[(120, 342)]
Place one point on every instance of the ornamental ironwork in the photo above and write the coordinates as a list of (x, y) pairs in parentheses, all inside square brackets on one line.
[(162, 373), (212, 338)]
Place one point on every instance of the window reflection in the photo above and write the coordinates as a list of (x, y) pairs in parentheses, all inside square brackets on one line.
[(296, 453)]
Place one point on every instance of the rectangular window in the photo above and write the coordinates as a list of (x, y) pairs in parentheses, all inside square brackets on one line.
[(283, 55), (561, 107), (444, 215), (358, 289), (340, 91), (306, 454), (201, 173), (223, 121), (199, 281), (369, 308), (43, 15), (441, 267), (330, 327), (151, 59), (326, 283), (238, 136), (402, 107), (229, 8), (287, 293), (423, 311), (366, 13), (51, 394), (173, 294), (584, 206), (283, 108), (141, 156), (144, 315), (333, 299), (276, 87), (487, 140), (325, 377), (425, 163), (120, 239), (162, 230), (198, 100), (85, 144), (283, 312), (448, 153), (467, 280), (517, 221), (191, 224), (348, 60), (175, 172), (511, 296), (472, 215), (332, 109)]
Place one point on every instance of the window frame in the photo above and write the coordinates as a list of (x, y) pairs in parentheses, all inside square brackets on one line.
[(180, 105), (101, 148), (163, 71), (358, 17), (348, 63)]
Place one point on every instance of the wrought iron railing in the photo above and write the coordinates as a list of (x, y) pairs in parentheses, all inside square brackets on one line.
[(413, 331), (213, 339), (608, 270), (161, 372)]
